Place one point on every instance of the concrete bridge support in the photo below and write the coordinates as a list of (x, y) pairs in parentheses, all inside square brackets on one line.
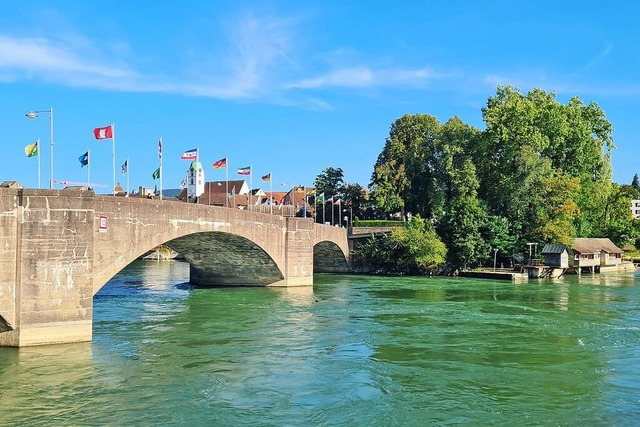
[(46, 284)]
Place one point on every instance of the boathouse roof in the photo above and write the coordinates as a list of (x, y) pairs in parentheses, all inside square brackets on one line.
[(587, 245)]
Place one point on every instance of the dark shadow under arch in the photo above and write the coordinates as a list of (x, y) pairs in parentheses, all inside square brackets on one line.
[(224, 259), (329, 258)]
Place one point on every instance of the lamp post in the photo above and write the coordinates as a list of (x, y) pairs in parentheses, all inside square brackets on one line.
[(350, 222), (495, 253), (33, 114)]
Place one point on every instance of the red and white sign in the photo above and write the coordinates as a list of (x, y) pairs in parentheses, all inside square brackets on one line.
[(103, 224)]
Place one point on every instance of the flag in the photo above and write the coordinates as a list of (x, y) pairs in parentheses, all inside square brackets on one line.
[(320, 198), (190, 155), (267, 178), (337, 202), (244, 171), (125, 167), (183, 183), (222, 163), (156, 174), (160, 148), (31, 150), (103, 133), (299, 189), (330, 200), (84, 159)]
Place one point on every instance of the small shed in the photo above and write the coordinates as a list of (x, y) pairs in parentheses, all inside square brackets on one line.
[(556, 255)]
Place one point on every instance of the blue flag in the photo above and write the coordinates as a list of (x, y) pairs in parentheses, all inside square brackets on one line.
[(84, 159)]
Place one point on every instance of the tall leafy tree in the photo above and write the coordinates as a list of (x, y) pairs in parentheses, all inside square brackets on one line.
[(330, 181), (404, 172)]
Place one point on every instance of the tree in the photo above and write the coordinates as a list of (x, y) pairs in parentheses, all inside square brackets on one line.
[(635, 184), (413, 248), (554, 210), (418, 248), (404, 171), (329, 182)]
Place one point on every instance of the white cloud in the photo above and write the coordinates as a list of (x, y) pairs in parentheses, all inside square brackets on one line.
[(55, 61), (364, 76)]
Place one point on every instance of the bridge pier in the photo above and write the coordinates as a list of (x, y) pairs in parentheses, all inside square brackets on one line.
[(46, 286)]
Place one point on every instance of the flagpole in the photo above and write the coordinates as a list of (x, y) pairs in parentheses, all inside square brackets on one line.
[(323, 205), (251, 185), (226, 199), (160, 155), (89, 168), (127, 176), (270, 194), (113, 155), (38, 145)]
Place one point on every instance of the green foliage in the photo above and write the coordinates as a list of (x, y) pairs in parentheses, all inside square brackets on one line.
[(540, 172), (330, 181), (418, 248), (413, 248)]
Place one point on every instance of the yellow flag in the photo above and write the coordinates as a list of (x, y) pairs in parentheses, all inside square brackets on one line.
[(31, 150)]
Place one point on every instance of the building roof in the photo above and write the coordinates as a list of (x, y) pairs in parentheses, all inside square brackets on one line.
[(554, 248), (592, 245)]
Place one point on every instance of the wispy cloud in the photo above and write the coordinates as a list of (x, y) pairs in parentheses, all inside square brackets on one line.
[(365, 76), (38, 58), (604, 53), (260, 59)]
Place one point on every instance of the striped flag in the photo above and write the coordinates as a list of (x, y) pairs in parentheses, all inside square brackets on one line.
[(222, 163), (267, 177), (190, 155), (244, 171)]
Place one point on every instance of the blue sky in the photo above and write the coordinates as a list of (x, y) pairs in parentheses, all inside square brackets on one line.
[(290, 87)]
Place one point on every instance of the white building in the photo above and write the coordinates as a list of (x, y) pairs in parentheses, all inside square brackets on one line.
[(635, 208), (195, 180)]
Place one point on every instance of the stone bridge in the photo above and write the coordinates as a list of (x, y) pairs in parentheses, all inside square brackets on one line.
[(61, 246)]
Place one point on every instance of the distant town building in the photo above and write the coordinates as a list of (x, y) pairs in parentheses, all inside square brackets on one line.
[(635, 208)]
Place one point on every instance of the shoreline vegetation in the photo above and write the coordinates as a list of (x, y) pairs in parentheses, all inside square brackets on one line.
[(539, 172)]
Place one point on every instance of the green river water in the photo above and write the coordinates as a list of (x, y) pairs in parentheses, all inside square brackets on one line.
[(352, 351)]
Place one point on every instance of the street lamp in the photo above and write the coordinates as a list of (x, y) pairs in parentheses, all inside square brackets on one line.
[(495, 253), (350, 217), (34, 115)]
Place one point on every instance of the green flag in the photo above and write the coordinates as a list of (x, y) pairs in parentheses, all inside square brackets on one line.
[(156, 174), (31, 150), (320, 198)]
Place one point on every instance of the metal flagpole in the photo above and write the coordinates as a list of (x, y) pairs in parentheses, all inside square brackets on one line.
[(323, 205), (251, 185), (113, 155), (38, 146), (127, 176), (226, 166), (89, 168), (160, 156), (270, 194)]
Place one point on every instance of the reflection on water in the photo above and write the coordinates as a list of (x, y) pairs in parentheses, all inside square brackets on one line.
[(353, 350)]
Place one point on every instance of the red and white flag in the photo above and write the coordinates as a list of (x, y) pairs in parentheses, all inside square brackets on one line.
[(190, 154), (103, 133)]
